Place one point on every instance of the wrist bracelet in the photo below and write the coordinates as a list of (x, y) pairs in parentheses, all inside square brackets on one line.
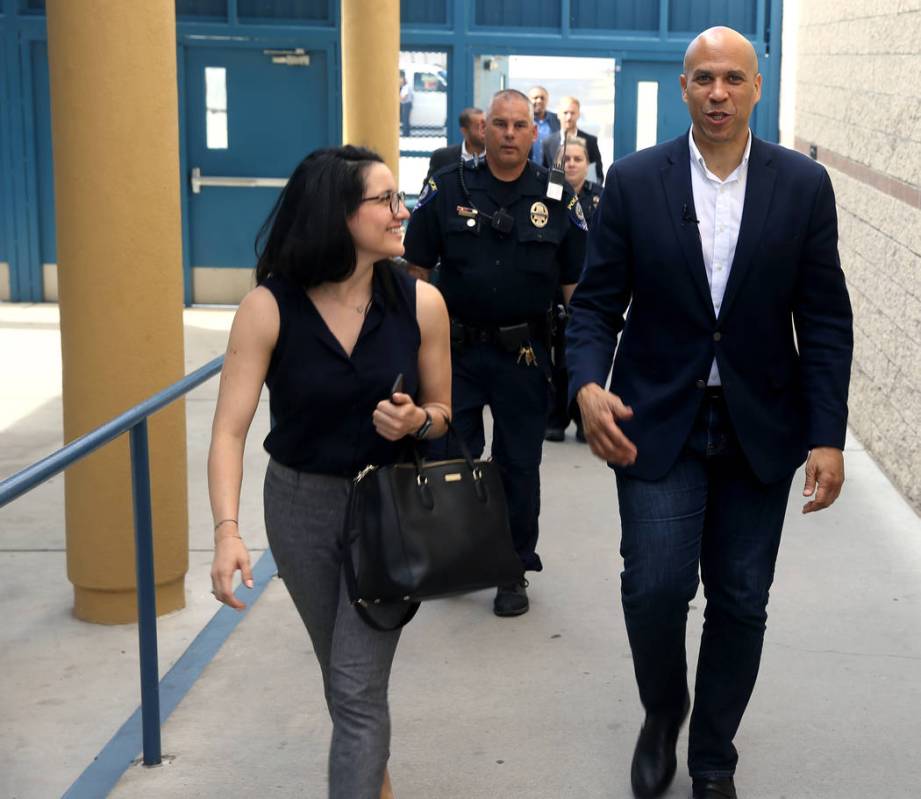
[(224, 521), (423, 430)]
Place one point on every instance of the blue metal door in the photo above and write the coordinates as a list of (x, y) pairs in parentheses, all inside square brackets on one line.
[(647, 102), (251, 115), (44, 171)]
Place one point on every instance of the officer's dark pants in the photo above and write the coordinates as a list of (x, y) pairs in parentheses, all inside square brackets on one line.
[(517, 396), (709, 510), (560, 416)]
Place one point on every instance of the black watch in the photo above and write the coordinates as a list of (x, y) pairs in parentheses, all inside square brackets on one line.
[(423, 431)]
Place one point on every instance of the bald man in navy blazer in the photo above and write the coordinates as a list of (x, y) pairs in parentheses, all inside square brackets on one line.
[(733, 366)]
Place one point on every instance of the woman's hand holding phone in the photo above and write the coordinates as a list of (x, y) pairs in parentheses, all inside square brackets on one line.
[(397, 416)]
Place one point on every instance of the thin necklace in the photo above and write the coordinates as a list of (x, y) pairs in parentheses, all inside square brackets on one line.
[(361, 309)]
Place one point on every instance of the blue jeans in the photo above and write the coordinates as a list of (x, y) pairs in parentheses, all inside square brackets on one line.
[(709, 512)]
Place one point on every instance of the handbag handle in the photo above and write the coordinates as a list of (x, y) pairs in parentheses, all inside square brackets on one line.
[(475, 471)]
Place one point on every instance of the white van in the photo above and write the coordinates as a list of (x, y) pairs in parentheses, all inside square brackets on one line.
[(429, 83)]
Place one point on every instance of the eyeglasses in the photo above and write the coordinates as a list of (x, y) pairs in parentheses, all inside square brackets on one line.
[(394, 198)]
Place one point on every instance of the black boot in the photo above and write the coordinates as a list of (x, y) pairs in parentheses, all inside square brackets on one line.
[(714, 789), (654, 760), (511, 600)]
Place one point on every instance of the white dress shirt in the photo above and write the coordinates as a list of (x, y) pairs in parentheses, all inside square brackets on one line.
[(718, 205), (468, 156)]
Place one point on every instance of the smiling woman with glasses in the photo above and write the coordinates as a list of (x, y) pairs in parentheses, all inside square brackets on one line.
[(328, 329)]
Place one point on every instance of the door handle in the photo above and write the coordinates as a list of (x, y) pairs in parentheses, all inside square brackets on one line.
[(197, 180)]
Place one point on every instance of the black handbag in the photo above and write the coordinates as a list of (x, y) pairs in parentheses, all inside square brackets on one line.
[(426, 529)]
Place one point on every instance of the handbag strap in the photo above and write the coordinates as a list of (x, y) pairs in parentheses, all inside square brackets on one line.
[(351, 581)]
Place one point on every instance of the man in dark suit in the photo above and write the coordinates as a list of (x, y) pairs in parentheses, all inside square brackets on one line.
[(545, 120), (570, 108), (472, 124), (723, 246)]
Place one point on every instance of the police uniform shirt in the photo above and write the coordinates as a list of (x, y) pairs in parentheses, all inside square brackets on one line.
[(489, 278), (589, 198)]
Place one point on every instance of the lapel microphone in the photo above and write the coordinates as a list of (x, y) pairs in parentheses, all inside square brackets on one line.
[(687, 216)]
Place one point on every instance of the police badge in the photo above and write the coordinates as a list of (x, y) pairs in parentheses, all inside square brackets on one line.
[(539, 214), (575, 214)]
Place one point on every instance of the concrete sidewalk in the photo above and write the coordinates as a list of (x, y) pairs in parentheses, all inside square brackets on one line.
[(540, 706)]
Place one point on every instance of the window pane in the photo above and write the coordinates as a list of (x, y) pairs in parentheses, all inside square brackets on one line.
[(413, 169), (647, 113), (216, 108), (423, 113), (589, 80)]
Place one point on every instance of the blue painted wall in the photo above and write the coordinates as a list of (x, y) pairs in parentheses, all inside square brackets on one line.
[(6, 188), (696, 15), (44, 160), (21, 24), (27, 229), (626, 15), (630, 31)]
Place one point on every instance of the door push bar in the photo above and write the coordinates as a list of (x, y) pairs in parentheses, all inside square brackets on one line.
[(198, 180)]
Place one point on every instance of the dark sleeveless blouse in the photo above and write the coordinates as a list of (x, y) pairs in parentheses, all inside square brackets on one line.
[(320, 398)]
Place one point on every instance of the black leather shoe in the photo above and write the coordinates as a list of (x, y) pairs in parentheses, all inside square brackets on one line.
[(714, 789), (554, 434), (580, 435), (654, 760), (511, 600)]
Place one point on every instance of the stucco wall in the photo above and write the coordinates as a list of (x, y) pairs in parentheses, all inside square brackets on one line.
[(858, 100)]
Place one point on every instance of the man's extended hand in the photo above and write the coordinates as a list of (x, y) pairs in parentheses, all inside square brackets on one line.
[(601, 410), (824, 466)]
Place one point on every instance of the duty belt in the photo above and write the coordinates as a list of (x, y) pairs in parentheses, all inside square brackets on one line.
[(508, 337)]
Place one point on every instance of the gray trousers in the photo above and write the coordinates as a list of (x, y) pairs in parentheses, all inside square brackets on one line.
[(304, 514)]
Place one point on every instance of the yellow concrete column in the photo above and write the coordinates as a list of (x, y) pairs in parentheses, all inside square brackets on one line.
[(370, 77), (115, 132)]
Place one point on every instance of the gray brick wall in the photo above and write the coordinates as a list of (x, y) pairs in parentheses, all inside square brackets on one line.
[(858, 94)]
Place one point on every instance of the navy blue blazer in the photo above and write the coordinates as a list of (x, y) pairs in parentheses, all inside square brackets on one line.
[(783, 338), (441, 158)]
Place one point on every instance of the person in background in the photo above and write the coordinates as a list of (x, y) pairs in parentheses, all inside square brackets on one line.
[(504, 248), (472, 124), (576, 169), (406, 103), (545, 121), (731, 370), (589, 194), (570, 110), (328, 328)]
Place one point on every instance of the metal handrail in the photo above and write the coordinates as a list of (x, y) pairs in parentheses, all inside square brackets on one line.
[(133, 421)]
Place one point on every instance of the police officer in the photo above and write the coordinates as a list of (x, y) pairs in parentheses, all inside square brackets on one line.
[(575, 162), (505, 245)]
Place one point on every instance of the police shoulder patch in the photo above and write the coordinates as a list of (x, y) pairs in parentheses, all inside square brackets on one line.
[(576, 216), (429, 190)]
